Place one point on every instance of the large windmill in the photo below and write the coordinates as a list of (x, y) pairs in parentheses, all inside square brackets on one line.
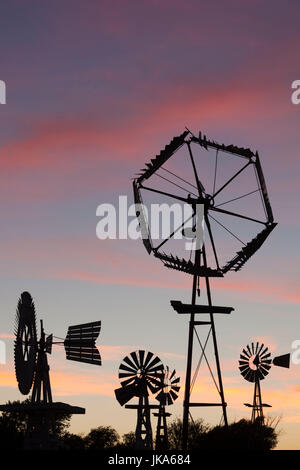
[(225, 190), (254, 364), (32, 371)]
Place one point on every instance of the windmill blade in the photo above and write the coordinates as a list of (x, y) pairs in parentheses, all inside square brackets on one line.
[(262, 358), (261, 348), (244, 358), (142, 355), (169, 399), (252, 347), (264, 370), (130, 363), (259, 374), (128, 369), (161, 397), (135, 359), (126, 382), (122, 375), (262, 353), (248, 374), (244, 367), (246, 353), (173, 394), (150, 368), (148, 358), (248, 347), (256, 348), (154, 388), (172, 375), (175, 381), (252, 375), (282, 361)]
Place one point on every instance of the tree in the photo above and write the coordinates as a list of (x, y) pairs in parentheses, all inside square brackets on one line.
[(13, 425), (102, 437), (195, 430), (128, 440), (72, 441), (242, 435)]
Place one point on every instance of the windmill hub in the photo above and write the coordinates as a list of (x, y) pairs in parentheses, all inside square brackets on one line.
[(256, 361)]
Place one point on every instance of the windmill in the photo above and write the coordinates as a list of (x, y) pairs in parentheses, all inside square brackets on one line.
[(140, 374), (254, 364), (204, 175), (166, 396), (32, 371)]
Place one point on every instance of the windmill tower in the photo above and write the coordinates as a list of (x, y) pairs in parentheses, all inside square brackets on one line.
[(254, 364), (32, 371), (206, 176), (167, 395)]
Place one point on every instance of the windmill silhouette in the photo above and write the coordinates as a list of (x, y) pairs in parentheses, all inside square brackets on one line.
[(32, 371), (254, 364)]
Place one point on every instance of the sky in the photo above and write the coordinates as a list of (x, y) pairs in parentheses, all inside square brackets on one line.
[(94, 90)]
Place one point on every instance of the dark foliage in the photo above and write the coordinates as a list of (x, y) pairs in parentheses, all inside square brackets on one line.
[(102, 437)]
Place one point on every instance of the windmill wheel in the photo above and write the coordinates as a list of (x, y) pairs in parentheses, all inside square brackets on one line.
[(25, 349), (227, 182), (141, 367), (169, 388), (255, 362)]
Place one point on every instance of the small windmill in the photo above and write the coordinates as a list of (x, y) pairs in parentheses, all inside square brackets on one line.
[(167, 395), (32, 371), (254, 364), (140, 373)]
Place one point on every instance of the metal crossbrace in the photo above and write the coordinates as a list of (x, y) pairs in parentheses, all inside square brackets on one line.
[(203, 352), (199, 362)]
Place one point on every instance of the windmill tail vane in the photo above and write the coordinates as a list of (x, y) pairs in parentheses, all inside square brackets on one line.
[(80, 343)]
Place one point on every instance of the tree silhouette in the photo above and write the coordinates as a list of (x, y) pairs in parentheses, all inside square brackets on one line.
[(102, 437), (242, 435), (13, 425), (128, 440), (195, 430)]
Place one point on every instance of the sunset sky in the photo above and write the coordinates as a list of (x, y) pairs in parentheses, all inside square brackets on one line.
[(94, 90)]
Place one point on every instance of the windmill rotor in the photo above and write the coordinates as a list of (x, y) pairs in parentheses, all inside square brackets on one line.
[(30, 353), (25, 347), (255, 362), (231, 186), (139, 373), (169, 388)]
